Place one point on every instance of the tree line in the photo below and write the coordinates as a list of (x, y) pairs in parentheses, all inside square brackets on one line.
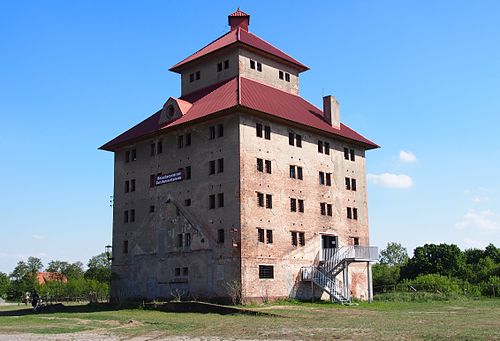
[(90, 284), (442, 268)]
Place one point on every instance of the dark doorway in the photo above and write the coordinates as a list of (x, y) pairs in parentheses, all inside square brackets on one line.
[(329, 242)]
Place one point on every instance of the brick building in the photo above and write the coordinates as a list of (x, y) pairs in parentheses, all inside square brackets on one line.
[(240, 185)]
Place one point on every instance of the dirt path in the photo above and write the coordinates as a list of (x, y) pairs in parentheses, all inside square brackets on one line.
[(107, 337)]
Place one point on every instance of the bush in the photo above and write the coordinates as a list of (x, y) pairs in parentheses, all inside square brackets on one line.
[(491, 287)]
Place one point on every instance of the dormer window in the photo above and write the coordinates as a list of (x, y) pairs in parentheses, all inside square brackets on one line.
[(219, 67), (287, 76), (197, 75), (226, 65), (194, 76), (191, 78), (170, 111), (255, 65), (284, 75)]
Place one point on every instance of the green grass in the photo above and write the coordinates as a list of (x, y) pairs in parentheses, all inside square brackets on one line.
[(436, 320)]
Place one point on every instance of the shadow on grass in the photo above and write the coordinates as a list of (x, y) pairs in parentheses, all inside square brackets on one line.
[(171, 307)]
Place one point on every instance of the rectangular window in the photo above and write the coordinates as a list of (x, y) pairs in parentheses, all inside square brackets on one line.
[(132, 215), (299, 173), (252, 64), (329, 209), (260, 165), (127, 186), (355, 213), (260, 199), (349, 213), (320, 147), (153, 149), (125, 217), (177, 271), (352, 154), (220, 199), (125, 246), (302, 238), (267, 132), (211, 132), (258, 129), (188, 240), (260, 235), (191, 78), (355, 241), (219, 67), (322, 208), (132, 185), (291, 139), (266, 271), (198, 75), (211, 167), (259, 67), (188, 173), (269, 201), (151, 208), (294, 238), (327, 148), (152, 178), (346, 153), (180, 240), (211, 201), (220, 165), (321, 178), (347, 184), (268, 166), (280, 74), (133, 155), (185, 271), (220, 130), (287, 76), (328, 179), (127, 156), (220, 236), (187, 202), (293, 205), (180, 141), (292, 172), (159, 147), (301, 205), (188, 139), (269, 236), (226, 64), (353, 184), (298, 140)]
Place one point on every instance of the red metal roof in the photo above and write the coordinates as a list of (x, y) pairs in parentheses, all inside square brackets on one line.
[(253, 95), (239, 13), (242, 36)]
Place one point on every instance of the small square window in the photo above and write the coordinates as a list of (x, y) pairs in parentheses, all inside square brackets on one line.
[(260, 235), (219, 67), (151, 208), (269, 201), (355, 241), (293, 205), (260, 199), (133, 155), (220, 165), (292, 172), (322, 208), (211, 201), (353, 184), (198, 75), (280, 74), (180, 240), (346, 153), (260, 165), (132, 185), (187, 242), (252, 64), (294, 238), (211, 132), (291, 139), (259, 67), (298, 141), (302, 238), (299, 173), (329, 209), (125, 246), (355, 213), (352, 154), (267, 132), (328, 179), (349, 213), (127, 156), (301, 205), (320, 147), (185, 271), (132, 215), (327, 148), (211, 167), (188, 139), (266, 271), (191, 78), (347, 184), (188, 172), (268, 166), (187, 202), (226, 64), (220, 130), (321, 178), (177, 271), (153, 149), (125, 217), (127, 186), (287, 77), (159, 147), (180, 141)]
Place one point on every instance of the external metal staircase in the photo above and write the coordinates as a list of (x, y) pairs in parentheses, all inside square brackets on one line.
[(333, 262)]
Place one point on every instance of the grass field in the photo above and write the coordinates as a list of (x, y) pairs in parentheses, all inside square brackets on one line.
[(454, 320)]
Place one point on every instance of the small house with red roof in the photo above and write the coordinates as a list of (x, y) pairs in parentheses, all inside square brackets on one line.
[(240, 187), (44, 277)]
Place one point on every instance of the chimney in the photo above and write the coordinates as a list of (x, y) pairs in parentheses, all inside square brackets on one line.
[(331, 111), (239, 19)]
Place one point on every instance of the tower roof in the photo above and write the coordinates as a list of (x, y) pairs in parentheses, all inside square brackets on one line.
[(239, 34)]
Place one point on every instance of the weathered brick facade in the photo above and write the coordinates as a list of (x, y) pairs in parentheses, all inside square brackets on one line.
[(207, 235)]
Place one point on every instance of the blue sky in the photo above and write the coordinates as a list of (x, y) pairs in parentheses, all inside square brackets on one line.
[(420, 78)]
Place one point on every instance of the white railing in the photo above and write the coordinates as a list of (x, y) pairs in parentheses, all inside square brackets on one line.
[(329, 284), (369, 253)]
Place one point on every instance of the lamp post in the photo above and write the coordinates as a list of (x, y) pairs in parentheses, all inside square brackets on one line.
[(109, 252)]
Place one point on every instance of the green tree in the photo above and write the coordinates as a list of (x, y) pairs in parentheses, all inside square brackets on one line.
[(384, 275), (443, 259), (71, 271), (23, 279), (99, 268), (34, 265), (394, 254), (4, 284)]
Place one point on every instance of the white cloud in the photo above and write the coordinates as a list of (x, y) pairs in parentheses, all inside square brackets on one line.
[(390, 180), (38, 237), (480, 220), (407, 157)]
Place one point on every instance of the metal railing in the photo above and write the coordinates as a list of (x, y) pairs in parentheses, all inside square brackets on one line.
[(329, 284)]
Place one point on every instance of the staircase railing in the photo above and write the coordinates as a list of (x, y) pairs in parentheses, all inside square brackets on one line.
[(329, 284), (334, 258)]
